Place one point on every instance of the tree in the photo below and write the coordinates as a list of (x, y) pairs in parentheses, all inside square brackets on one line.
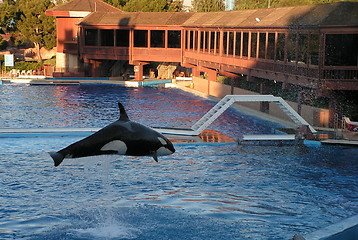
[(35, 25), (208, 5), (153, 6), (253, 4), (176, 6), (8, 15), (3, 43), (117, 3)]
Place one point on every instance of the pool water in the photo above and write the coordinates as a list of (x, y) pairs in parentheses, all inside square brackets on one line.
[(25, 106), (202, 191)]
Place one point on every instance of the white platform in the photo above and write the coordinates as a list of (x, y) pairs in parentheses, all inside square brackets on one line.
[(269, 137)]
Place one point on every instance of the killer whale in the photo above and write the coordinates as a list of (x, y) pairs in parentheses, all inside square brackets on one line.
[(123, 137)]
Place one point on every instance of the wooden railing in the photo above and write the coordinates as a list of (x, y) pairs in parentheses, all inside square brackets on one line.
[(110, 53), (340, 78), (140, 54), (342, 73)]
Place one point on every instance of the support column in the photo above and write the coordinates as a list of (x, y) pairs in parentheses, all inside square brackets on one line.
[(299, 101), (138, 72), (138, 69), (87, 67), (233, 84), (195, 71), (94, 68), (212, 75), (248, 76), (264, 89), (335, 109)]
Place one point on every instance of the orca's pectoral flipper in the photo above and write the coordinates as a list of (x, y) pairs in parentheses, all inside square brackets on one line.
[(123, 115), (57, 158), (155, 156)]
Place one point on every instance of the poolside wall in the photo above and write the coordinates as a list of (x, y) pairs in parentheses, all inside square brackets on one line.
[(317, 117)]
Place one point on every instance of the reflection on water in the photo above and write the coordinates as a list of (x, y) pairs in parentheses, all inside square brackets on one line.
[(96, 106), (212, 136), (206, 136)]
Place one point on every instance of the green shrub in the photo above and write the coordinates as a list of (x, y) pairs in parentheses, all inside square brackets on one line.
[(51, 61), (27, 65), (223, 80)]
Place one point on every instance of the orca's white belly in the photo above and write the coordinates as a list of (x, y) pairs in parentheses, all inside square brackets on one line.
[(116, 145)]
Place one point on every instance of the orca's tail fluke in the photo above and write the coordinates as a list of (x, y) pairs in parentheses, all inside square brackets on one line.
[(57, 158)]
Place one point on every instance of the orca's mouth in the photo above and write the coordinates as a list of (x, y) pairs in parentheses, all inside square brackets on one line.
[(171, 147), (162, 151)]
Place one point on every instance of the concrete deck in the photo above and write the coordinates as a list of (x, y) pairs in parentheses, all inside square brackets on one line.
[(340, 142), (80, 80), (343, 230)]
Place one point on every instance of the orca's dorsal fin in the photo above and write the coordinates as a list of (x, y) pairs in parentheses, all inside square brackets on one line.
[(123, 115)]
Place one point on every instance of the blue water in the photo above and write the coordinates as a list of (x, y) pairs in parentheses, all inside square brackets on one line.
[(203, 191), (96, 106)]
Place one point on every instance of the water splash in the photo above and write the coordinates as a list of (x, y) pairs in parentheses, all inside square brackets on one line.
[(102, 221), (108, 227)]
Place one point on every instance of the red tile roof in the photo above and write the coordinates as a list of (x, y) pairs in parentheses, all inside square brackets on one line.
[(330, 14), (137, 18), (339, 13), (82, 6)]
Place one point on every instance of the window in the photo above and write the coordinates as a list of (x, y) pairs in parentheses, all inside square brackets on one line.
[(122, 38), (271, 46), (253, 45), (231, 43), (212, 41), (302, 48), (262, 47), (91, 37), (224, 46), (174, 39), (107, 37), (238, 44), (228, 43), (157, 38), (280, 54), (291, 47), (217, 42), (341, 50), (140, 38), (202, 41), (245, 44), (195, 40), (314, 49), (192, 40), (206, 41)]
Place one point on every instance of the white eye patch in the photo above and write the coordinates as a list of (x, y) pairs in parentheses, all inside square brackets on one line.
[(115, 145), (162, 141)]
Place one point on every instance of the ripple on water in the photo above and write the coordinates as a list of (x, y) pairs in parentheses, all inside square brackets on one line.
[(203, 191)]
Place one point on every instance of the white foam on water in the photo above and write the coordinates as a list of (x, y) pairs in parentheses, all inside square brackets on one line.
[(112, 230), (102, 222)]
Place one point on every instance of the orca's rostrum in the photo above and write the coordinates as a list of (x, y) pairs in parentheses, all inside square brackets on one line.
[(122, 137)]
